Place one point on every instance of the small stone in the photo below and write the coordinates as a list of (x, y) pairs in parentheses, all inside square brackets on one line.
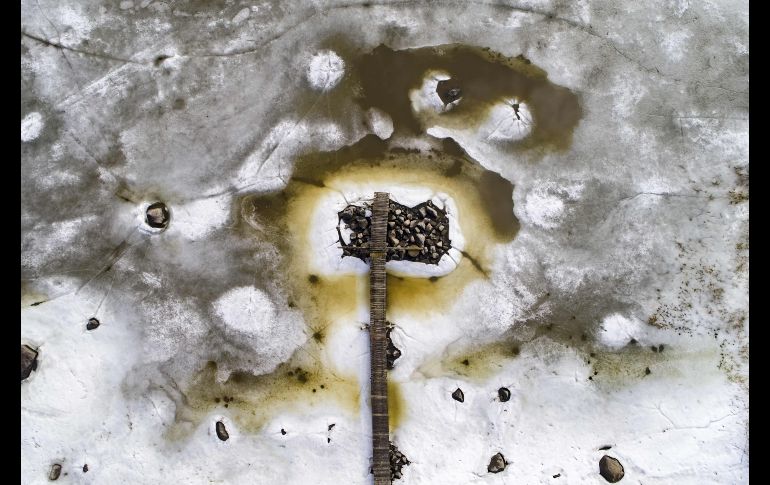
[(647, 371), (413, 253), (660, 348), (458, 395), (92, 324), (157, 215), (221, 431), (611, 469), (497, 464), (85, 468), (28, 361), (55, 472), (504, 394)]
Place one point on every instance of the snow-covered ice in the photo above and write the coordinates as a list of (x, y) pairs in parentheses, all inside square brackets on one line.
[(611, 300)]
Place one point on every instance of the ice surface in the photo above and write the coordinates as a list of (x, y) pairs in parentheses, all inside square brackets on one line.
[(617, 314)]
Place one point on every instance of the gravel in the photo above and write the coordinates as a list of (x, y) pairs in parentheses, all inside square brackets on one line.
[(397, 461)]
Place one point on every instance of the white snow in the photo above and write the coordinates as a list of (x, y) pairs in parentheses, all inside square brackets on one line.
[(252, 319), (31, 126), (325, 70)]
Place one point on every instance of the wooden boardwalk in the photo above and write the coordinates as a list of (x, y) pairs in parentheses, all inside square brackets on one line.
[(377, 337)]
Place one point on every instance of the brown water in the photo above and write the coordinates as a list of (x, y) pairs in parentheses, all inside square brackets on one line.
[(486, 78)]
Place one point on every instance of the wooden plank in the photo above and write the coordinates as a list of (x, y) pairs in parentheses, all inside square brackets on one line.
[(378, 341)]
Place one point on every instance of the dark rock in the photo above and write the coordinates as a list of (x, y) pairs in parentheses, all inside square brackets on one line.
[(85, 468), (458, 395), (605, 447), (28, 361), (504, 394), (392, 352), (92, 324), (660, 348), (157, 215), (55, 472), (221, 431), (497, 464), (448, 90), (647, 371), (611, 469)]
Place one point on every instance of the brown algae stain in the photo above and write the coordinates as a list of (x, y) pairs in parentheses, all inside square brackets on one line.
[(626, 366), (30, 297), (396, 405), (252, 401), (477, 363)]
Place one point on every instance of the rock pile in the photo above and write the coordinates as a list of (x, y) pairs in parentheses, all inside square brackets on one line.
[(393, 352), (397, 462), (419, 233)]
